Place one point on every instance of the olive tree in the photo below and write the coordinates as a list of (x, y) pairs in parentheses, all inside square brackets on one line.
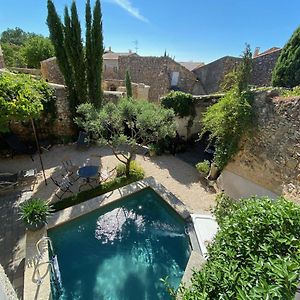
[(125, 125)]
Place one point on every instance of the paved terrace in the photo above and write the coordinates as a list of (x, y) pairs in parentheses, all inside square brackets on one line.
[(176, 175)]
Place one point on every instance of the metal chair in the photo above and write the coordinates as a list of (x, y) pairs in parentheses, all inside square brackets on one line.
[(71, 169), (63, 184)]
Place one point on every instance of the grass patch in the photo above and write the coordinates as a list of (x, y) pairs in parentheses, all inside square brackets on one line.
[(97, 191)]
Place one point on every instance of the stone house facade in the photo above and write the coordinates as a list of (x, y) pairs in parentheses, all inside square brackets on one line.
[(212, 75), (162, 74)]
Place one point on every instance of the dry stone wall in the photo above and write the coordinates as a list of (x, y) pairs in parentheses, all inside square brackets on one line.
[(61, 127), (271, 156)]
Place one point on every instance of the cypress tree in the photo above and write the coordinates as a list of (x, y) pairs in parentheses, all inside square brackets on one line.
[(287, 69), (75, 52), (128, 84), (57, 38), (89, 51), (97, 57)]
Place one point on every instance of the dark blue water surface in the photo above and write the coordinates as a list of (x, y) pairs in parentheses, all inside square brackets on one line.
[(121, 251)]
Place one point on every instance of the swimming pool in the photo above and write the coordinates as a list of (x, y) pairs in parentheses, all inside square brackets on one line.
[(122, 250)]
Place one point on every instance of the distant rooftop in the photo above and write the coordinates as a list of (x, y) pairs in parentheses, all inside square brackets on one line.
[(269, 51), (191, 65), (109, 54)]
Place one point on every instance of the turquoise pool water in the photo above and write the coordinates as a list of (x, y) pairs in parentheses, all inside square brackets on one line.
[(121, 251)]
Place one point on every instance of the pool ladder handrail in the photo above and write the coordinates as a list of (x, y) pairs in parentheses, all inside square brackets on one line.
[(50, 263)]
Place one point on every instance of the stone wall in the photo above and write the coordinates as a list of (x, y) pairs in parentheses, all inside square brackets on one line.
[(271, 156), (62, 126), (51, 72), (139, 90), (212, 75), (35, 72), (263, 66), (157, 73)]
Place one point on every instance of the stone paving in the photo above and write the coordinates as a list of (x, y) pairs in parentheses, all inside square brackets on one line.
[(12, 238)]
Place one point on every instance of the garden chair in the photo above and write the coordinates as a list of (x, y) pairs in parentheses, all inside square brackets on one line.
[(106, 175), (63, 184), (83, 140), (71, 169)]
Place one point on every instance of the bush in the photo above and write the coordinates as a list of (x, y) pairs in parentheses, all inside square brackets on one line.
[(203, 167), (292, 92), (181, 103), (255, 254), (136, 170), (35, 211), (287, 69), (227, 121)]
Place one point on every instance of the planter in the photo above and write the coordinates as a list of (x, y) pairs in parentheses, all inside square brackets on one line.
[(35, 226)]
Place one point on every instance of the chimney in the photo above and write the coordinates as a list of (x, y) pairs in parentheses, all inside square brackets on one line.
[(130, 51), (109, 49), (256, 52)]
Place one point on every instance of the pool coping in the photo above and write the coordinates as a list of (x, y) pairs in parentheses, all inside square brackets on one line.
[(30, 287)]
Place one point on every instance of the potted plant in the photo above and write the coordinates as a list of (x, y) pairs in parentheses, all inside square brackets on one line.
[(203, 168), (34, 213)]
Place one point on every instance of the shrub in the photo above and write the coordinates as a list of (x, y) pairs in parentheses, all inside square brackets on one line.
[(225, 206), (292, 92), (227, 121), (287, 69), (181, 103), (203, 167), (255, 254), (135, 171), (35, 211)]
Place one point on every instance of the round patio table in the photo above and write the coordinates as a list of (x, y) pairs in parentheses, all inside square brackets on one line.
[(87, 172)]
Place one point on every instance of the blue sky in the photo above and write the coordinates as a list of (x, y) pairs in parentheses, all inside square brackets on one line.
[(198, 30)]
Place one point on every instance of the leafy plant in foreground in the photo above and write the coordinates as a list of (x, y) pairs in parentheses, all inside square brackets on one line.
[(255, 254)]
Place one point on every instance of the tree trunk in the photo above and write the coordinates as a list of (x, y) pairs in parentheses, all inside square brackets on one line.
[(127, 170)]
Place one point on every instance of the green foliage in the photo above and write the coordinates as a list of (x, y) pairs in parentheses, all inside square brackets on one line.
[(287, 69), (82, 70), (225, 206), (239, 78), (35, 211), (128, 84), (255, 254), (36, 49), (97, 191), (291, 92), (203, 167), (13, 56), (22, 97), (126, 123), (75, 53), (97, 55), (24, 49), (15, 36), (57, 37), (135, 170), (182, 103), (227, 121)]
